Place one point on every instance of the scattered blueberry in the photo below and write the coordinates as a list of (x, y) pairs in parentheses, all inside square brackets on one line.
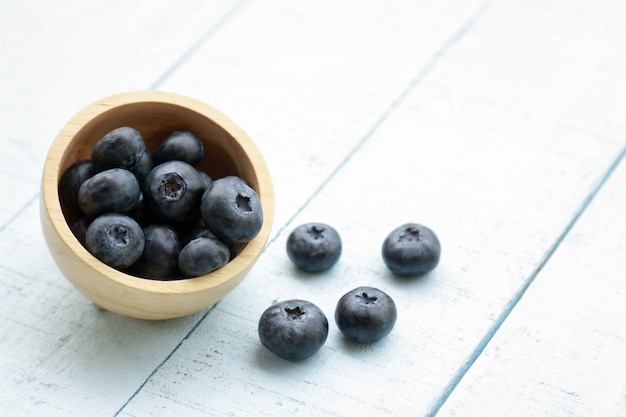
[(180, 146), (202, 256), (365, 314), (173, 190), (411, 250), (159, 259), (70, 182), (314, 247), (232, 210), (293, 330), (113, 190), (115, 239), (120, 148)]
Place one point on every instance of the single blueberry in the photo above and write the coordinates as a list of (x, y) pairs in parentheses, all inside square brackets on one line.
[(200, 231), (206, 179), (143, 167), (180, 146), (173, 190), (115, 239), (120, 148), (70, 182), (232, 210), (112, 190), (202, 256), (293, 329), (79, 228), (365, 314), (159, 259), (411, 250), (314, 247), (140, 212)]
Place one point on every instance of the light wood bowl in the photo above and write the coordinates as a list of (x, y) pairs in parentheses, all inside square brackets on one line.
[(229, 151)]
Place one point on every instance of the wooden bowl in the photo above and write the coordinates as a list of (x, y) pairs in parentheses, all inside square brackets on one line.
[(229, 151)]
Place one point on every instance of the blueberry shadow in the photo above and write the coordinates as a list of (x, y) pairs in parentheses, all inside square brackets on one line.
[(406, 282), (267, 361), (355, 348)]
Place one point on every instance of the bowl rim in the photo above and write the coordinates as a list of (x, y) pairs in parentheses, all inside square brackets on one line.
[(237, 267)]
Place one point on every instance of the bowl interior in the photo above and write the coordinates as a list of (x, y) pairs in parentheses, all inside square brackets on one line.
[(224, 155)]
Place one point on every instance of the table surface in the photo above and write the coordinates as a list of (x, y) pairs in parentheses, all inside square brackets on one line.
[(499, 124)]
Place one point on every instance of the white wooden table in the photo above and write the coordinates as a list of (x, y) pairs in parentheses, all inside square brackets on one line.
[(499, 124)]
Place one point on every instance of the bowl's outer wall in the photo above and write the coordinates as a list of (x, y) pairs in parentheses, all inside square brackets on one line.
[(229, 151)]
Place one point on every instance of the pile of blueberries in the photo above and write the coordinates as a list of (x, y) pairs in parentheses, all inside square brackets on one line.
[(156, 215), (297, 329)]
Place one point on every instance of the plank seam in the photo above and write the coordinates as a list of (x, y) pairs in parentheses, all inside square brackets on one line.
[(19, 212), (165, 360), (519, 294), (456, 37), (227, 17)]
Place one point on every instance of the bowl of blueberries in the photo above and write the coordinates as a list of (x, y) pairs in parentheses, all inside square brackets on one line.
[(154, 205)]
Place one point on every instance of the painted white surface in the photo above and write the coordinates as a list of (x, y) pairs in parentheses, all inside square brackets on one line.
[(561, 351), (490, 122)]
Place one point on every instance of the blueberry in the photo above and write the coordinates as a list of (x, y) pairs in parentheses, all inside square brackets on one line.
[(365, 314), (232, 210), (198, 231), (314, 247), (113, 190), (411, 250), (202, 255), (173, 190), (70, 182), (79, 228), (206, 179), (140, 212), (143, 166), (120, 148), (159, 259), (115, 239), (181, 146), (293, 330)]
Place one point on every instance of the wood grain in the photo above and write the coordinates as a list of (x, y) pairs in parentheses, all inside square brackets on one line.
[(492, 122), (560, 352)]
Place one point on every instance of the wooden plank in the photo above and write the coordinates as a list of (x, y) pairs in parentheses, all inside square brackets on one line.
[(57, 58), (561, 350), (511, 126), (59, 354), (308, 83)]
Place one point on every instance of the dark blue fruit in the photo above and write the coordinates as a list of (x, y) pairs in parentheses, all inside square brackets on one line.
[(79, 228), (202, 255), (143, 167), (120, 148), (314, 247), (180, 146), (115, 239), (365, 315), (206, 178), (293, 329), (411, 250), (173, 190), (232, 210), (70, 183), (114, 190), (159, 259)]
